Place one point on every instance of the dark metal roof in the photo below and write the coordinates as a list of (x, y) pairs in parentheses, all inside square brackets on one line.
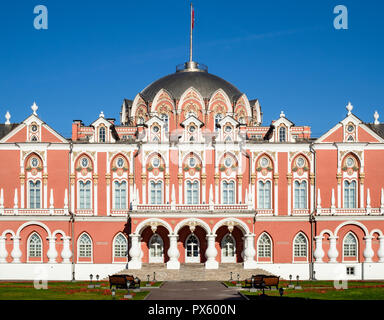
[(6, 128), (176, 84), (377, 128)]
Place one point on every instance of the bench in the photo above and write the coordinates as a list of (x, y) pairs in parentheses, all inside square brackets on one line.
[(124, 281), (261, 281)]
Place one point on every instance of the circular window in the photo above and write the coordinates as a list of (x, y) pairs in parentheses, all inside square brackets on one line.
[(228, 162), (34, 128), (84, 162), (155, 162), (192, 129), (192, 162), (300, 162), (350, 128), (264, 162), (156, 129), (34, 162), (120, 162), (228, 128), (350, 162)]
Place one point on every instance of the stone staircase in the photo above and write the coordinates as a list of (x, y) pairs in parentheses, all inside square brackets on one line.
[(193, 272)]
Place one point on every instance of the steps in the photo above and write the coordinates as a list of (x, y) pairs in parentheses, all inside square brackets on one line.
[(193, 272)]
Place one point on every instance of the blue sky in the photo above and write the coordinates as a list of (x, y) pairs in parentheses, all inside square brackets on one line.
[(285, 53)]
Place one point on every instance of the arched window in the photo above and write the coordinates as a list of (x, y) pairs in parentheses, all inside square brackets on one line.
[(228, 192), (35, 246), (264, 192), (34, 195), (264, 247), (85, 195), (140, 120), (102, 134), (282, 134), (228, 248), (192, 252), (192, 192), (350, 246), (120, 191), (300, 194), (120, 246), (350, 194), (300, 246), (218, 118), (85, 246), (156, 192), (165, 118), (156, 249)]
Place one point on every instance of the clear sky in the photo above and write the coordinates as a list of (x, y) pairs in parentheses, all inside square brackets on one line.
[(285, 53)]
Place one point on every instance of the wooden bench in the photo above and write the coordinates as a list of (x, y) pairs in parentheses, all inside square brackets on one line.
[(261, 281), (124, 281)]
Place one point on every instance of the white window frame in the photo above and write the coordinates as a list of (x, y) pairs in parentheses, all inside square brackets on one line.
[(150, 192), (300, 182), (228, 182), (114, 248), (186, 192), (114, 194), (356, 256), (78, 249), (264, 234), (306, 247), (259, 193), (29, 249), (192, 259), (156, 259), (29, 193), (78, 195), (105, 134), (230, 259), (356, 193), (285, 134)]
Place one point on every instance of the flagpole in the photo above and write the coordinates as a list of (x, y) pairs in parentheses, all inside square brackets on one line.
[(190, 38)]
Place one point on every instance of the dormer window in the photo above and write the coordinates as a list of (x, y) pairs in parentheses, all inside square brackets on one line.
[(350, 128), (165, 118), (34, 128), (218, 117), (282, 133), (228, 129), (155, 129), (34, 138), (102, 134), (192, 129)]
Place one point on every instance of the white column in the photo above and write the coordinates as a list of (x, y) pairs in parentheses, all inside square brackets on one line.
[(3, 250), (73, 197), (276, 195), (380, 252), (319, 252), (203, 192), (382, 201), (333, 207), (51, 203), (240, 193), (339, 195), (135, 252), (173, 253), (16, 253), (45, 196), (95, 198), (66, 201), (289, 199), (109, 197), (332, 252), (318, 207), (167, 193), (362, 195), (15, 203), (368, 202), (66, 253), (312, 195), (211, 253), (52, 253), (143, 194), (368, 252), (249, 252), (22, 196)]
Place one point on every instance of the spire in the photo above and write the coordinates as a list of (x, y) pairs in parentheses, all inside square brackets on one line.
[(190, 37)]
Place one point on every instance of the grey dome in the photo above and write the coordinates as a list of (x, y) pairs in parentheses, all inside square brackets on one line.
[(176, 84)]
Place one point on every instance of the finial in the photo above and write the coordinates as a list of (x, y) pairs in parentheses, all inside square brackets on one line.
[(101, 114), (7, 117), (282, 114), (376, 117), (34, 108), (349, 107)]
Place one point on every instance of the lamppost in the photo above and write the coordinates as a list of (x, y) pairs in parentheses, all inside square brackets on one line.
[(90, 283), (97, 285)]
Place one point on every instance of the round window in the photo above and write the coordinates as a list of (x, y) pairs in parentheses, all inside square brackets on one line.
[(192, 129), (156, 129), (264, 162), (34, 128), (228, 128), (350, 162), (300, 162), (350, 128), (156, 162), (120, 162), (34, 162), (192, 162), (84, 162), (228, 162)]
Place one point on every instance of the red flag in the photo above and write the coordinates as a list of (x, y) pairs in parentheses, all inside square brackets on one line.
[(193, 16)]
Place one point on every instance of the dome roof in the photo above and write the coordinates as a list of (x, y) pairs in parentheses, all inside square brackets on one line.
[(192, 75)]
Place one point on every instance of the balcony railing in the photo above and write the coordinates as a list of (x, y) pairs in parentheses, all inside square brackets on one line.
[(349, 211), (38, 212)]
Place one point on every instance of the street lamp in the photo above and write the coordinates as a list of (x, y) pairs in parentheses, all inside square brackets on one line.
[(97, 285), (148, 283), (231, 276), (90, 283)]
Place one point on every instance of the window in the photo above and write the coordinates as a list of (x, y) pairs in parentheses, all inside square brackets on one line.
[(156, 248), (264, 201), (300, 246), (350, 271), (165, 118), (120, 246), (34, 194), (228, 248), (85, 246), (349, 194), (102, 134), (192, 246), (35, 246), (282, 137), (300, 193), (85, 195), (192, 192), (228, 192), (218, 117), (156, 192), (120, 195), (264, 247), (350, 246)]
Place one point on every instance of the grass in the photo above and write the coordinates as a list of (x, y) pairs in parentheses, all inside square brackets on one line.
[(65, 291), (325, 290)]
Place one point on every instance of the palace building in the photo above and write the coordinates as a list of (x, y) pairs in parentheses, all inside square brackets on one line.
[(191, 175)]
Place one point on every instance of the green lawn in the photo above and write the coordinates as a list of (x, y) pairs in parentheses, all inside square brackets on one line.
[(324, 290), (65, 291)]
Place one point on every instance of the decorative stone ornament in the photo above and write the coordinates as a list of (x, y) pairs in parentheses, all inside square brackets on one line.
[(34, 108), (349, 108), (7, 118), (376, 117)]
